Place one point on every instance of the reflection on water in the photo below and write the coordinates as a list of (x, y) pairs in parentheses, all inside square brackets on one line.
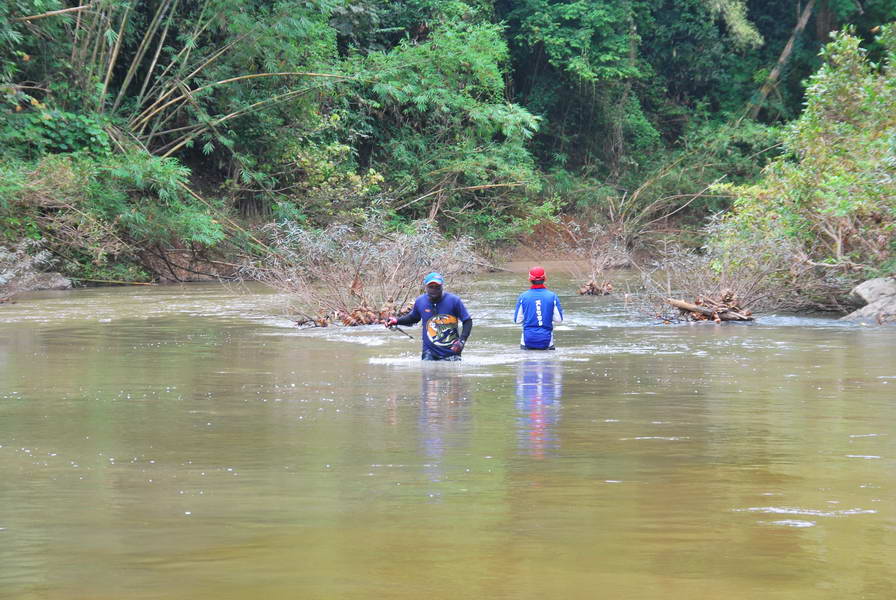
[(539, 388), (444, 415)]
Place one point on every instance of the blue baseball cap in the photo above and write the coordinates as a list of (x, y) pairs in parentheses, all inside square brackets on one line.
[(433, 278)]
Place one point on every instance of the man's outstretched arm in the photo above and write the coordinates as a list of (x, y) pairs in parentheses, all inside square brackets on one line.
[(409, 319), (412, 318)]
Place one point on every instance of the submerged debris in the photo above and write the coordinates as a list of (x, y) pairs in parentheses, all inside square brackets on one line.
[(362, 315), (725, 307), (341, 274), (594, 289)]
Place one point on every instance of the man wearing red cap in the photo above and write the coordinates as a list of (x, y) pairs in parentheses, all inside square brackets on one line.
[(537, 309)]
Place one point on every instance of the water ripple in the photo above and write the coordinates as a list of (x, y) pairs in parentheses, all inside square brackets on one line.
[(786, 510)]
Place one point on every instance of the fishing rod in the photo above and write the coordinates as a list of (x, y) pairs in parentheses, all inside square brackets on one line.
[(400, 330)]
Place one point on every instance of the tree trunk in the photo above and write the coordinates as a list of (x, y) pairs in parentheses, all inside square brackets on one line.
[(772, 78), (824, 21)]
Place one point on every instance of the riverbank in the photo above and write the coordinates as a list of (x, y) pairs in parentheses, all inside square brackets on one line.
[(20, 274)]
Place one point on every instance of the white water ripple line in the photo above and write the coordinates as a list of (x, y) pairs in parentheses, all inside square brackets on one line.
[(656, 437), (790, 523), (787, 510)]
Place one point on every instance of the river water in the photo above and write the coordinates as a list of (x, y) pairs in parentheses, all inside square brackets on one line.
[(189, 442)]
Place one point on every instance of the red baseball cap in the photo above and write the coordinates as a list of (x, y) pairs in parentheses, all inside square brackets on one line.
[(536, 273)]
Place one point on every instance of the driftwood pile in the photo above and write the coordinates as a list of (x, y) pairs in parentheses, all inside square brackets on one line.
[(361, 315), (594, 289), (318, 321), (723, 308)]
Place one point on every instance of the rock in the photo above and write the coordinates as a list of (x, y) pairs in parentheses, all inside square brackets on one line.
[(876, 313), (879, 295), (873, 290), (50, 281)]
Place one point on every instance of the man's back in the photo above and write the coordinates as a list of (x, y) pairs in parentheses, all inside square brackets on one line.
[(537, 309)]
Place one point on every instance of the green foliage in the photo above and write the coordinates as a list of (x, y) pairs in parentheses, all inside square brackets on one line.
[(437, 123), (831, 198), (103, 211), (144, 196), (17, 43), (36, 132), (83, 268), (734, 13), (484, 116), (590, 40)]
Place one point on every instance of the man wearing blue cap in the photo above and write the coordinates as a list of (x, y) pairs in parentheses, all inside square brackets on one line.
[(441, 314)]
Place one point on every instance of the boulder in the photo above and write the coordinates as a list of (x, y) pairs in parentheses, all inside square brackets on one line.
[(873, 290), (51, 281), (879, 297)]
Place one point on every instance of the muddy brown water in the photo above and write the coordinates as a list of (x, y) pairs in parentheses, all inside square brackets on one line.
[(188, 442)]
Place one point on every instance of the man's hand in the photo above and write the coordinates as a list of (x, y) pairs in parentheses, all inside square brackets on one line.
[(390, 322), (458, 346)]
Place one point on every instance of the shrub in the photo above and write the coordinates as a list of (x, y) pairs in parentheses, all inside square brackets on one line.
[(100, 213), (335, 273), (829, 203)]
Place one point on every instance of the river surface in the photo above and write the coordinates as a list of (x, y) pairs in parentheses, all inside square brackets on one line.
[(188, 442)]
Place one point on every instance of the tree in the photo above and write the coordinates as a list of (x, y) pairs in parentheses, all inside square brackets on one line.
[(830, 200)]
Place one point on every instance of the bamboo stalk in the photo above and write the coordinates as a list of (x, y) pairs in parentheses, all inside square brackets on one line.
[(261, 244), (105, 46), (161, 122), (96, 39), (141, 51), (140, 121), (683, 206), (199, 129), (75, 34), (114, 57), (179, 79), (188, 93), (81, 67), (460, 189), (155, 58), (52, 13), (188, 138), (181, 57)]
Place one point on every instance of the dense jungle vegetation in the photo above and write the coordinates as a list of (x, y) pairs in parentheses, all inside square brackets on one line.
[(131, 130)]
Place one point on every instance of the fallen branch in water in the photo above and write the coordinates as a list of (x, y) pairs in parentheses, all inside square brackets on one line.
[(699, 285), (707, 309), (593, 289), (111, 281), (362, 315)]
